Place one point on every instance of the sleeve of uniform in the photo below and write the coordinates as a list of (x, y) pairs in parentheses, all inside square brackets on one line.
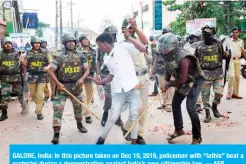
[(54, 63), (50, 58), (84, 61)]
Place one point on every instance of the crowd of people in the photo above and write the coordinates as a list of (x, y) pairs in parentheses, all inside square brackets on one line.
[(125, 67)]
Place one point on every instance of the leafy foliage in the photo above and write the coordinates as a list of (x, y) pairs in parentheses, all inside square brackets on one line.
[(207, 9)]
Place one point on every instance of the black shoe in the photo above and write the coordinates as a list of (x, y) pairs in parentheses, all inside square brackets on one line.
[(140, 140), (52, 99), (88, 120), (104, 118), (119, 122), (4, 115), (46, 98), (196, 141), (208, 116), (81, 128), (40, 116), (55, 139), (215, 111), (100, 141), (124, 131)]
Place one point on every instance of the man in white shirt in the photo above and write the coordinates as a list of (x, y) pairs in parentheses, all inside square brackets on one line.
[(236, 50), (124, 81)]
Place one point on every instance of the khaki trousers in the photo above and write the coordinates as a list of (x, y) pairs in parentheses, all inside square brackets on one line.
[(89, 96), (46, 90), (168, 95), (234, 77), (37, 94)]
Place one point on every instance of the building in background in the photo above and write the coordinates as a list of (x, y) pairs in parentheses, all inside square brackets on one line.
[(146, 15), (10, 14)]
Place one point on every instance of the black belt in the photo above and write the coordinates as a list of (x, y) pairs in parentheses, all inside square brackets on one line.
[(142, 72)]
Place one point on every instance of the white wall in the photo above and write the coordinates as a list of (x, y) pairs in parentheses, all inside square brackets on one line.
[(167, 17)]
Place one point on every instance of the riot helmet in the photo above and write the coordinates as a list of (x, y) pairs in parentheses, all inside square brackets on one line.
[(112, 30), (167, 43), (35, 39), (166, 30), (69, 37)]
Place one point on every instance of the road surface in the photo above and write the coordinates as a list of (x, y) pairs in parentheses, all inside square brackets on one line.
[(19, 129)]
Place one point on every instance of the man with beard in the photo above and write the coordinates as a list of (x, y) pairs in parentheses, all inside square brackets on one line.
[(188, 79), (38, 63), (69, 71), (10, 77)]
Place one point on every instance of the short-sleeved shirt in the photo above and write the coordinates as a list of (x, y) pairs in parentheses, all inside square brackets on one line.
[(236, 46)]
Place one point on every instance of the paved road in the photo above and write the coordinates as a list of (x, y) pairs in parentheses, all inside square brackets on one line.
[(19, 129)]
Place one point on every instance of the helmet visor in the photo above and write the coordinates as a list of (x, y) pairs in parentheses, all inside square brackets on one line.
[(165, 48)]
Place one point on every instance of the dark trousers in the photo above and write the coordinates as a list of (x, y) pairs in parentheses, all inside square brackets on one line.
[(156, 86), (191, 108)]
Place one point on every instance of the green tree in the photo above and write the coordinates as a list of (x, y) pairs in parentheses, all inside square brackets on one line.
[(227, 13), (41, 25)]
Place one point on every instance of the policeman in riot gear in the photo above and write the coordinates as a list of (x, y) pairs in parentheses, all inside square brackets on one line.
[(10, 77), (188, 79), (90, 55), (210, 54), (38, 63), (103, 71), (69, 71)]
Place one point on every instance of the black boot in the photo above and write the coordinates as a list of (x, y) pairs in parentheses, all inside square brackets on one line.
[(104, 118), (140, 140), (215, 111), (119, 122), (88, 120), (81, 128), (56, 136), (196, 141), (40, 116), (4, 115), (208, 116)]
